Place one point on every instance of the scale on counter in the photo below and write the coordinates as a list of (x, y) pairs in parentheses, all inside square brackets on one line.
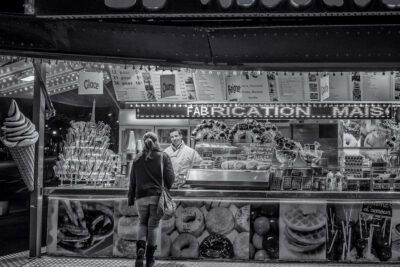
[(215, 178)]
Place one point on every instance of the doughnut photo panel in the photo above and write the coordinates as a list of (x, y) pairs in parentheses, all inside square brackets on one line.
[(302, 231), (125, 229), (264, 233), (207, 229)]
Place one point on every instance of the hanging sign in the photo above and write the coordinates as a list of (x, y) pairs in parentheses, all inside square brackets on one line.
[(90, 83), (266, 111), (324, 85)]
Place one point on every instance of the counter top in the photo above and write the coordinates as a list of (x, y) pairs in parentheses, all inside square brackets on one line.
[(93, 192)]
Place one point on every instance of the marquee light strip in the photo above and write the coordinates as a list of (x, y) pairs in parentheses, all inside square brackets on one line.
[(265, 110)]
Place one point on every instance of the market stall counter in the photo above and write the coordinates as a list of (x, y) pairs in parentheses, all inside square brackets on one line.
[(247, 225)]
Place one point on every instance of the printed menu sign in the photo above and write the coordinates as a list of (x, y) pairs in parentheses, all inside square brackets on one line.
[(167, 83), (209, 87), (339, 89), (129, 85), (291, 87), (233, 87), (377, 87), (324, 85)]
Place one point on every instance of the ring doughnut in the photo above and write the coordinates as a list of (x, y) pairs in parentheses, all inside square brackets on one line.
[(216, 246), (220, 220), (191, 220), (185, 246), (241, 246), (167, 226)]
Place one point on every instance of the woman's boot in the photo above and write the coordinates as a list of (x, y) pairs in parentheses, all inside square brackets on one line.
[(140, 249), (150, 260)]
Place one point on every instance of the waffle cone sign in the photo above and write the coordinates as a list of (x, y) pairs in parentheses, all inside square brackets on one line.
[(24, 157)]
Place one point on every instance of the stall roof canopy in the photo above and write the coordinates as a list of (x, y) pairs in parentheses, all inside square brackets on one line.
[(240, 45)]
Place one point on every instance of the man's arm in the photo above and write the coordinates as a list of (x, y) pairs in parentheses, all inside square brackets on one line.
[(196, 158)]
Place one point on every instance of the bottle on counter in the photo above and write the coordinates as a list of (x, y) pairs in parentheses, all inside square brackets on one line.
[(330, 183), (339, 181), (139, 146), (131, 149)]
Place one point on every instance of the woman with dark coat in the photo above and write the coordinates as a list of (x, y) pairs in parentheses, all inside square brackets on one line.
[(145, 190)]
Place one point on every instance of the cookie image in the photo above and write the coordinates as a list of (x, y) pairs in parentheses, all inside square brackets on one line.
[(302, 231)]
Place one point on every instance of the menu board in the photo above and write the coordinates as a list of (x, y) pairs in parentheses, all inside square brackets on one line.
[(209, 86), (144, 85), (339, 89), (291, 87), (130, 85), (172, 85), (377, 86)]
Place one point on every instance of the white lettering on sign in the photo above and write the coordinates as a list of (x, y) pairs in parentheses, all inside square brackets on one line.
[(356, 112), (340, 112), (292, 111), (253, 111), (303, 112), (217, 111), (287, 111), (377, 111), (204, 111), (235, 111)]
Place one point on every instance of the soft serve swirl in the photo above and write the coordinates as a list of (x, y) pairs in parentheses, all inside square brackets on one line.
[(18, 130)]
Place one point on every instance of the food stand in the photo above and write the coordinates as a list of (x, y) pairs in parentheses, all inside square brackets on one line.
[(279, 181), (299, 164)]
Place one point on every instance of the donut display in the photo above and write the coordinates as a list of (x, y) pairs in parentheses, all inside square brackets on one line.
[(167, 226), (222, 227), (210, 130), (166, 244), (185, 246), (220, 220), (259, 132), (190, 221), (216, 246)]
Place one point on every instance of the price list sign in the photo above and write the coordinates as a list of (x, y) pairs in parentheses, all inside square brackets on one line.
[(260, 152), (129, 85)]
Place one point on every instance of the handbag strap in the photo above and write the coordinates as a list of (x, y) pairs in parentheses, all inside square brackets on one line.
[(162, 170)]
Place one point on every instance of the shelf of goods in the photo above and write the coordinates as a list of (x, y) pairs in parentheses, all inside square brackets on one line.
[(86, 157)]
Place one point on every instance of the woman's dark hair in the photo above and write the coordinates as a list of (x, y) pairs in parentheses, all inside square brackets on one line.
[(151, 144)]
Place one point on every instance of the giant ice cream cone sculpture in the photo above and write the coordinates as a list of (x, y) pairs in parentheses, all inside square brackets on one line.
[(20, 136)]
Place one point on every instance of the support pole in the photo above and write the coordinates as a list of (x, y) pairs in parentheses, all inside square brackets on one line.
[(36, 196)]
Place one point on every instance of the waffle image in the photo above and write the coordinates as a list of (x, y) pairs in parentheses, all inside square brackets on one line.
[(303, 231), (20, 136)]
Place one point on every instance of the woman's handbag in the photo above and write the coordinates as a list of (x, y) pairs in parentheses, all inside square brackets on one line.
[(166, 206)]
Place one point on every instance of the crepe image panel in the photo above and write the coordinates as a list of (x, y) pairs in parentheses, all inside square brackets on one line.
[(85, 227)]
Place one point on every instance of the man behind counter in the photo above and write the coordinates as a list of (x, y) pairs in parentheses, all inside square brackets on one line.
[(183, 157)]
